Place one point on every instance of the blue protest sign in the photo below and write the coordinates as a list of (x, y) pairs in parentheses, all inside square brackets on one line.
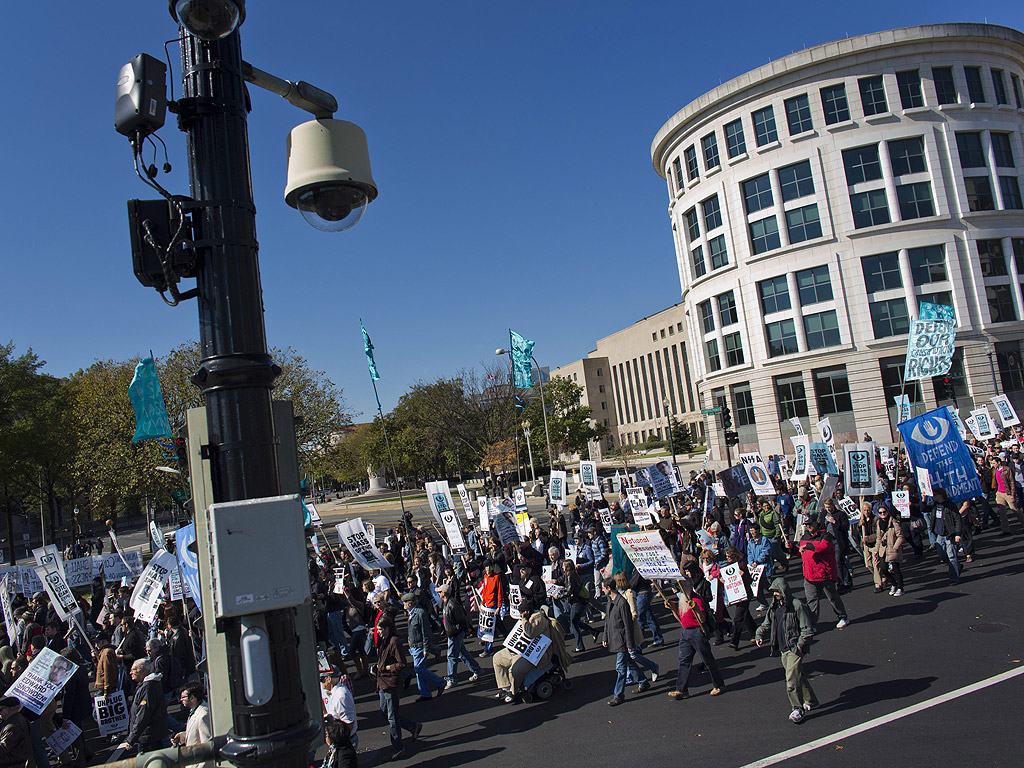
[(930, 311), (188, 560), (933, 443), (821, 459)]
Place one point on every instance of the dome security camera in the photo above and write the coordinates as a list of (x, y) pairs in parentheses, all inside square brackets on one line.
[(329, 179)]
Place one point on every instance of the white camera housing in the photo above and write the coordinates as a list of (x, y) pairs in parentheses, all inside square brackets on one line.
[(329, 179)]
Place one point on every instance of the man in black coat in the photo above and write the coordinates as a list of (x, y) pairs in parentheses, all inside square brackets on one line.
[(147, 718), (618, 639), (947, 526)]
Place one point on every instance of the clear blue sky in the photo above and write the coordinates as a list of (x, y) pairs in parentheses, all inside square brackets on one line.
[(510, 142)]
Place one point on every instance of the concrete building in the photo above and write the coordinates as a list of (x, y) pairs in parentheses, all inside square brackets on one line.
[(815, 203)]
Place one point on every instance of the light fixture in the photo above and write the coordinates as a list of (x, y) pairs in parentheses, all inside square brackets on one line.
[(500, 351), (168, 470), (208, 19)]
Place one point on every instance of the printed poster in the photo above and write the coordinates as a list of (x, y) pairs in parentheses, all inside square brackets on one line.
[(44, 678), (531, 649)]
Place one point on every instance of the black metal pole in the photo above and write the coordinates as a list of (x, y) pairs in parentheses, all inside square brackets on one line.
[(236, 372)]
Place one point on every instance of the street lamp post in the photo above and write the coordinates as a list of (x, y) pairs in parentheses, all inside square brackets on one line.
[(543, 405), (668, 418), (529, 449)]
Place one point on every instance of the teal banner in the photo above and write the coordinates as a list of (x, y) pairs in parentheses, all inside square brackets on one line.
[(148, 402)]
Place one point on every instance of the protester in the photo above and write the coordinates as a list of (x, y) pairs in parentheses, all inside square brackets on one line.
[(456, 627), (199, 728), (619, 638), (15, 738), (147, 718), (389, 677), (419, 640), (818, 551), (788, 627), (694, 617)]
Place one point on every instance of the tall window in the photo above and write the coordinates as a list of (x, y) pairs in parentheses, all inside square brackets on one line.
[(909, 83), (727, 308), (814, 285), (979, 193), (928, 264), (764, 235), (707, 316), (1018, 96), (757, 193), (781, 338), (889, 318), (1000, 303), (714, 361), (833, 102), (992, 258), (862, 164), (764, 126), (907, 156), (744, 403), (872, 95), (803, 224), (719, 254), (892, 380), (692, 225), (915, 200), (832, 388), (975, 88), (798, 114), (869, 208), (822, 330), (774, 294), (734, 142), (690, 155), (791, 396), (999, 86), (678, 168), (796, 181), (1011, 365), (733, 349), (1002, 150), (881, 272), (1011, 193), (700, 268), (968, 146), (710, 146), (945, 86), (712, 213)]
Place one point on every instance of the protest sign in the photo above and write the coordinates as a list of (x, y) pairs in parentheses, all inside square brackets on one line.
[(466, 505), (530, 649), (174, 588), (314, 516), (503, 521), (714, 594), (40, 683), (901, 500), (637, 500), (859, 472), (821, 459), (888, 461), (751, 458), (523, 525), (145, 597), (930, 348), (732, 577), (797, 425), (605, 515), (61, 597), (825, 430), (440, 497), (49, 557), (933, 443), (485, 629), (709, 499), (519, 499), (986, 429), (78, 572), (663, 479), (352, 534), (757, 473), (924, 481), (972, 422), (5, 602), (588, 474), (515, 596), (124, 565), (756, 572), (734, 481), (649, 555), (28, 581), (156, 535), (955, 413), (1007, 415), (902, 407), (802, 461), (188, 562), (110, 713), (556, 487), (118, 550), (848, 506), (63, 737), (485, 519)]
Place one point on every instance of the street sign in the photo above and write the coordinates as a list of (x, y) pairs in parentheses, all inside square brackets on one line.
[(710, 411), (179, 496)]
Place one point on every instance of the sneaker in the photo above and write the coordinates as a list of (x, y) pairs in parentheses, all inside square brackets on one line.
[(842, 623), (484, 654), (892, 591), (474, 677), (450, 684), (898, 593), (398, 754), (797, 715), (808, 706), (655, 675), (615, 702), (578, 649), (677, 695), (718, 691), (644, 686), (416, 731)]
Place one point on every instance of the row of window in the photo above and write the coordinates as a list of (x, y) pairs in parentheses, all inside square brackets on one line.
[(836, 109), (643, 383), (671, 332)]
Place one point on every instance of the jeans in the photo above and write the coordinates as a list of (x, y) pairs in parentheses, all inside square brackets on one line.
[(425, 679), (457, 652), (645, 616), (389, 706), (692, 641), (642, 661), (813, 590), (38, 748), (623, 666), (336, 631), (929, 518), (948, 552)]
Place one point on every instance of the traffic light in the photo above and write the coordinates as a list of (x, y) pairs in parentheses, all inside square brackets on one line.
[(948, 388), (726, 417), (181, 449), (732, 438)]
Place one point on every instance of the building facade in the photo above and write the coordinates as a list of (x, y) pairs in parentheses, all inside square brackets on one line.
[(815, 203)]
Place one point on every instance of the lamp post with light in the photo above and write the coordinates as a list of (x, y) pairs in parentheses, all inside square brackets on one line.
[(543, 407), (668, 417)]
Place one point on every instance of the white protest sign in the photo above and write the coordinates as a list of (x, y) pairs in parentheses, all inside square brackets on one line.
[(735, 591), (924, 481), (79, 572), (485, 629), (174, 584), (156, 535), (5, 601), (637, 499), (440, 497), (40, 683), (145, 597), (49, 557), (515, 596), (802, 462), (485, 519), (466, 505), (121, 566), (28, 581), (63, 737), (519, 499), (504, 523), (972, 422), (314, 516), (848, 506), (751, 458), (901, 500), (715, 583), (986, 429), (797, 425), (860, 475), (118, 550), (757, 473), (649, 555), (352, 533), (1007, 415), (61, 597), (902, 408), (605, 515), (556, 487), (110, 713), (930, 348), (588, 474), (756, 572), (530, 649)]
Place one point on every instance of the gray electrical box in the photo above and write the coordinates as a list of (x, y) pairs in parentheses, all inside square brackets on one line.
[(257, 555)]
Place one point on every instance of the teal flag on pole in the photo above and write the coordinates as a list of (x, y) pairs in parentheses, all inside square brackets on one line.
[(522, 368), (368, 348), (148, 402)]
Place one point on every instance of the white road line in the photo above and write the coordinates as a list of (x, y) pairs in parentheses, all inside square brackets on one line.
[(900, 713)]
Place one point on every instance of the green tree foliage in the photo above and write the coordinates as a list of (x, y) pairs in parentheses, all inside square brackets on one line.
[(569, 422)]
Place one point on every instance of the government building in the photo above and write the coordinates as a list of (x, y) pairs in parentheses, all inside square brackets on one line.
[(815, 203)]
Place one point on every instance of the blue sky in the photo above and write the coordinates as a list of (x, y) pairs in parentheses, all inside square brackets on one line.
[(510, 143)]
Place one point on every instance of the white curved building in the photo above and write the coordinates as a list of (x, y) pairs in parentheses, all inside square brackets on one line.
[(816, 201)]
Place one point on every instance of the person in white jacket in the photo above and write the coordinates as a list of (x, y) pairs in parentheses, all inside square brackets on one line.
[(199, 727)]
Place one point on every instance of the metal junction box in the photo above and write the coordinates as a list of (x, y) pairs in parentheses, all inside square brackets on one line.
[(257, 555)]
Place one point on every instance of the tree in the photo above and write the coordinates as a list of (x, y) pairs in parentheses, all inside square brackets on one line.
[(682, 437), (569, 422)]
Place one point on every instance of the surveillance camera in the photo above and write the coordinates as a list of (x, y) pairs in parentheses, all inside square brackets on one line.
[(329, 179)]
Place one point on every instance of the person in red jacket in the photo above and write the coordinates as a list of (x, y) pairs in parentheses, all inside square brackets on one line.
[(492, 595), (818, 551)]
